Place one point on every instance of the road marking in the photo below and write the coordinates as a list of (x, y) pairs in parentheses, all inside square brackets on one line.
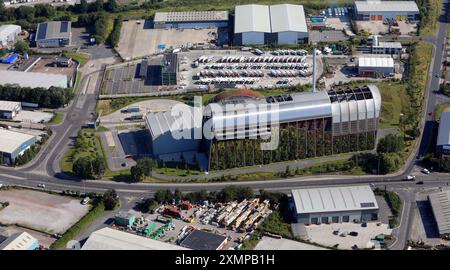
[(12, 176)]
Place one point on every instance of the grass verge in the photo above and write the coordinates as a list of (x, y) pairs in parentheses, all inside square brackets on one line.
[(80, 57), (440, 109), (57, 119)]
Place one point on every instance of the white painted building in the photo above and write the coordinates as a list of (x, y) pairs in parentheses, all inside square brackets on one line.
[(375, 66), (9, 109), (335, 204)]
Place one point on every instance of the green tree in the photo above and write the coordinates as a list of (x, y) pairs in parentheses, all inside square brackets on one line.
[(82, 7), (110, 199), (137, 175), (389, 162), (162, 195), (111, 6), (391, 144), (82, 167), (21, 47), (98, 167)]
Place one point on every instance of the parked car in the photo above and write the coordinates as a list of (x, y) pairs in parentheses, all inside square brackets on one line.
[(85, 200), (353, 234), (420, 183), (41, 185), (425, 171), (364, 224)]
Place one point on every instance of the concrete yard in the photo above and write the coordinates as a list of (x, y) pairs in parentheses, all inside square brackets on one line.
[(46, 65), (138, 38), (33, 117), (378, 28), (268, 243), (40, 211), (323, 234), (424, 228)]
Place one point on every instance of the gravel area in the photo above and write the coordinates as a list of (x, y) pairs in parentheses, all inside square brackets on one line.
[(40, 211)]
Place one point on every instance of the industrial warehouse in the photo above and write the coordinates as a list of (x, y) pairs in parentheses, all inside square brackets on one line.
[(34, 79), (375, 66), (443, 139), (276, 24), (53, 34), (13, 144), (376, 10), (311, 125), (9, 109), (440, 204), (335, 205), (191, 19), (19, 241)]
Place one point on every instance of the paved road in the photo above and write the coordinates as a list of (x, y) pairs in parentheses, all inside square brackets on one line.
[(45, 168)]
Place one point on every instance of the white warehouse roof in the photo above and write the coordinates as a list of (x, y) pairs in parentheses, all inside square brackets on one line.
[(9, 105), (440, 203), (444, 129), (288, 17), (386, 6), (111, 239), (10, 141), (32, 79), (369, 61), (19, 241), (270, 19), (334, 199), (252, 18)]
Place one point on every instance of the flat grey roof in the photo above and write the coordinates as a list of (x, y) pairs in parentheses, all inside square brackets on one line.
[(201, 240), (252, 18), (10, 141), (111, 239), (334, 199), (440, 203), (444, 129), (288, 18), (386, 6), (54, 30), (32, 79), (191, 16), (9, 105)]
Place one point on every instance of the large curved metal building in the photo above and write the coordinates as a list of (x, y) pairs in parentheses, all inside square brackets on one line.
[(310, 124)]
